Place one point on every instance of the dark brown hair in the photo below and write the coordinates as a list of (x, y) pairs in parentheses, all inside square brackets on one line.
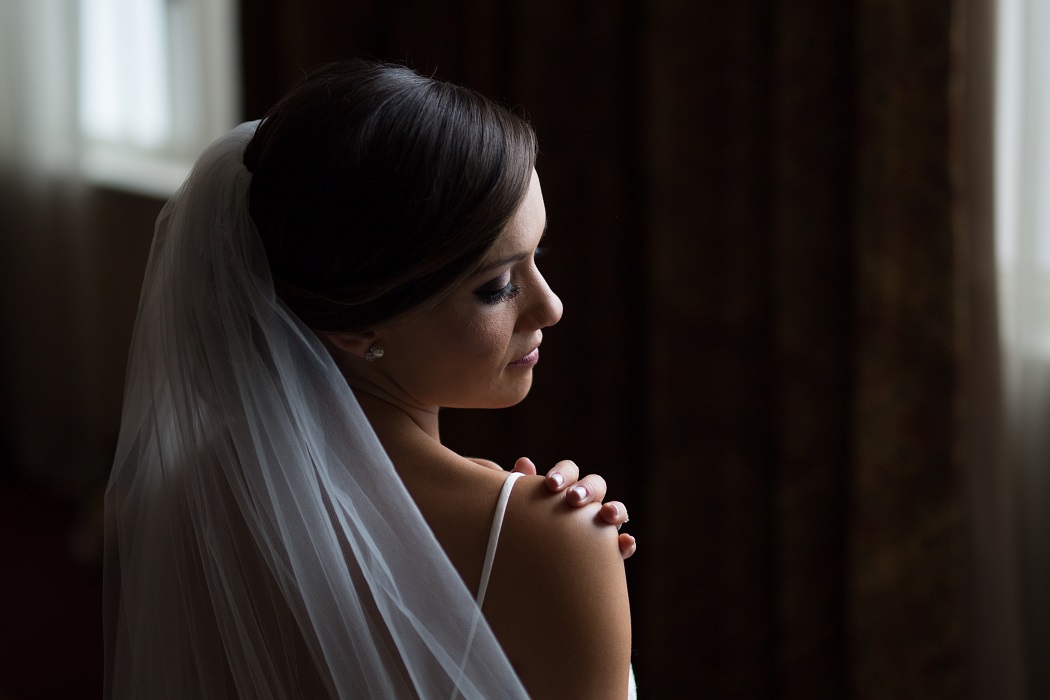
[(375, 189)]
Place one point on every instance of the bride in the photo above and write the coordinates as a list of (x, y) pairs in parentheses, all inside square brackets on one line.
[(283, 519)]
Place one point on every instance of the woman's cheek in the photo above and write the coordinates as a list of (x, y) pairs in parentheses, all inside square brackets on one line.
[(488, 339)]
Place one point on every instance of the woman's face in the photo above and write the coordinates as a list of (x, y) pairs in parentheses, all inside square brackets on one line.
[(477, 347)]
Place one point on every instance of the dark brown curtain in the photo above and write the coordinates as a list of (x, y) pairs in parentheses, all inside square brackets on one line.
[(777, 313), (770, 223)]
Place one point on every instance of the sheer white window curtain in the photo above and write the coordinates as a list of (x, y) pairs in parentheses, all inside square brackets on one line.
[(121, 92), (38, 123), (158, 82), (1023, 256)]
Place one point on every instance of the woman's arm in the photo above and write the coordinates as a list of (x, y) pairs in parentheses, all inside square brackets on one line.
[(558, 597)]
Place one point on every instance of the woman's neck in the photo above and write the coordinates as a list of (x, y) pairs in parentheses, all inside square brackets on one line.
[(390, 417)]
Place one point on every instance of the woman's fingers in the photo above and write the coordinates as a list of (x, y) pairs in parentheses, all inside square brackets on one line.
[(524, 465), (589, 489), (628, 545), (614, 513), (562, 475)]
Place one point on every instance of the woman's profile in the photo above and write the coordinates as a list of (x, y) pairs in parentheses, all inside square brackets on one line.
[(283, 519)]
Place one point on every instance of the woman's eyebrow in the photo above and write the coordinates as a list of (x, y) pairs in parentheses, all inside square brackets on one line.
[(505, 261), (510, 259)]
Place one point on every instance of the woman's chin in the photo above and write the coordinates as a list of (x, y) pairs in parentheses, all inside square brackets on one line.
[(521, 392), (501, 399)]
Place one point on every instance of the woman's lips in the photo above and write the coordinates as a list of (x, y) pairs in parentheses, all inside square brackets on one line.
[(529, 360)]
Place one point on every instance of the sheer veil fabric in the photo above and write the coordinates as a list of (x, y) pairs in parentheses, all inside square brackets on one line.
[(259, 540)]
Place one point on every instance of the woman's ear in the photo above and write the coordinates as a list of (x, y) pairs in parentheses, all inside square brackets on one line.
[(356, 343)]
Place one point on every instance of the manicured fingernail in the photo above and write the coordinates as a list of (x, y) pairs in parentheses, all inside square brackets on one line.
[(579, 492), (557, 478)]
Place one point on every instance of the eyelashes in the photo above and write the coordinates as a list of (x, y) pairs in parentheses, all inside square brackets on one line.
[(504, 293), (498, 291)]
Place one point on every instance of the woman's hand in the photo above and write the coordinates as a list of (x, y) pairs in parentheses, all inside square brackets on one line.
[(565, 476)]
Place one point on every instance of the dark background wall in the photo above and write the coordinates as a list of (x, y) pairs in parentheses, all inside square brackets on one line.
[(754, 227)]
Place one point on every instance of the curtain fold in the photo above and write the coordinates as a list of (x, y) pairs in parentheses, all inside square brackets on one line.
[(907, 608)]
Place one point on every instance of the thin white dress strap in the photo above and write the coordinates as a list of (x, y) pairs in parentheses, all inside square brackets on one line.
[(490, 555), (497, 525)]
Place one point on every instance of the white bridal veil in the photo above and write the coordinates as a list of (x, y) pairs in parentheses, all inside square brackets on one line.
[(259, 541)]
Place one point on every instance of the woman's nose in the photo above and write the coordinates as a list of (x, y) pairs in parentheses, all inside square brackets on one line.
[(546, 306)]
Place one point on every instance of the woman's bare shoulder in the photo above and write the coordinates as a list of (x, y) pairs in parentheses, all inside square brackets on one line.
[(544, 533), (557, 528), (558, 592)]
